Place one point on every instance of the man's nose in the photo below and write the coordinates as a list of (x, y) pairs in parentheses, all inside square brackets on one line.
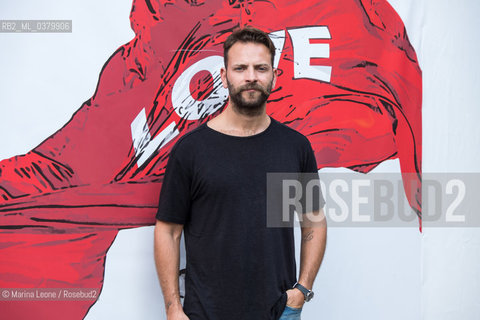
[(251, 75)]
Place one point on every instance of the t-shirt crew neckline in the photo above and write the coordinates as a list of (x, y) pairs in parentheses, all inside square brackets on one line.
[(242, 137)]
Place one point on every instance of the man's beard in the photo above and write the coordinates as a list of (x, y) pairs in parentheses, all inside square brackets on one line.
[(249, 107)]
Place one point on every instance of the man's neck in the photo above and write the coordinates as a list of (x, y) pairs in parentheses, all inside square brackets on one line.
[(234, 123)]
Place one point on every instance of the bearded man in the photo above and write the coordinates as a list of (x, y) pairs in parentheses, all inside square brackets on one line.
[(215, 191)]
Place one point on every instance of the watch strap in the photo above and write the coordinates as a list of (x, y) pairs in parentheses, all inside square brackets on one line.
[(308, 294)]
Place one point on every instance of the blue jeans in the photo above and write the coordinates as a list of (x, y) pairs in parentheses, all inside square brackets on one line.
[(291, 313)]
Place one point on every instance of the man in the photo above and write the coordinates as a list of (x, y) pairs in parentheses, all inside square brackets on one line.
[(215, 191)]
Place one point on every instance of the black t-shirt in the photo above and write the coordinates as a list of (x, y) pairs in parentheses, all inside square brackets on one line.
[(215, 185)]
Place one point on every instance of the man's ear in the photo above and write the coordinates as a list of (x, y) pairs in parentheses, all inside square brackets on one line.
[(274, 81), (223, 76)]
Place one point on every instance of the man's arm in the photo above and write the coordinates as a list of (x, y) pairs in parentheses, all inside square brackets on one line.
[(167, 261), (314, 238)]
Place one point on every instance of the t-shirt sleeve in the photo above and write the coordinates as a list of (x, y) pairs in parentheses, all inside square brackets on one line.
[(310, 175), (310, 163), (174, 203)]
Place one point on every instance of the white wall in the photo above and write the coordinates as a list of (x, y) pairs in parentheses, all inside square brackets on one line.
[(451, 139)]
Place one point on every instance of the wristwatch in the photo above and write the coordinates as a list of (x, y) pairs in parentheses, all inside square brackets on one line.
[(308, 294)]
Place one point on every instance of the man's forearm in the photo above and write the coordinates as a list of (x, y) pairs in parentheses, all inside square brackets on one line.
[(314, 237), (167, 261)]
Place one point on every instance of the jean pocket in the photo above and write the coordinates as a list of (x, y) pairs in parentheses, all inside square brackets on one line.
[(292, 309), (291, 313)]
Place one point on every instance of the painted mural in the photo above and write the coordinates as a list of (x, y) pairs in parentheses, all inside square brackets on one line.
[(348, 79)]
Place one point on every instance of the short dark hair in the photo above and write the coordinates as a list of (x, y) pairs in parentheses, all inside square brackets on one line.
[(245, 35)]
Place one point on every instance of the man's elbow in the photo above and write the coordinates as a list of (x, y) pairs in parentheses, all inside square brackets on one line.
[(170, 229)]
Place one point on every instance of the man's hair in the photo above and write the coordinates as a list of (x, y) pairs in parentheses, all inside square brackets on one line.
[(246, 35)]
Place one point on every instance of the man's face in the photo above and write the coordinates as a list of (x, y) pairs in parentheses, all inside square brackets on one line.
[(249, 77)]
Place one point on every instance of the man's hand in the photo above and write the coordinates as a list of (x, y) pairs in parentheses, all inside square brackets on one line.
[(176, 313), (295, 298)]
